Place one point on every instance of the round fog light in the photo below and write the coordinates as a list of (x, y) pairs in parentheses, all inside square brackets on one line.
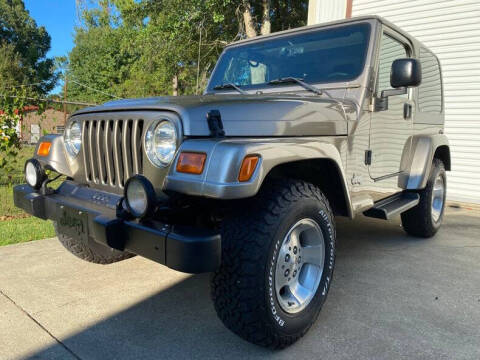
[(139, 196), (34, 174)]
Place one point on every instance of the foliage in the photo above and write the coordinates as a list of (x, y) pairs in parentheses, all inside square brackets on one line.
[(23, 49), (139, 48), (13, 105), (25, 73)]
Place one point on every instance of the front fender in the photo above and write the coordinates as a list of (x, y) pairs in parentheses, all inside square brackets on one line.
[(224, 158), (417, 161), (56, 159)]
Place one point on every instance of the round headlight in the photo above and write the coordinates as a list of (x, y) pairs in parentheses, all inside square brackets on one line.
[(161, 143), (139, 196), (34, 174), (73, 138)]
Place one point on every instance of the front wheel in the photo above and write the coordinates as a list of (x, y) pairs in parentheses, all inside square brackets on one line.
[(425, 219), (278, 257)]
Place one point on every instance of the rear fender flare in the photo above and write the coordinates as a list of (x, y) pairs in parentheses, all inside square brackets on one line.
[(417, 160)]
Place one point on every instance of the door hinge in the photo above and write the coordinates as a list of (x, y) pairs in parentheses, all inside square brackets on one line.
[(407, 111), (368, 157)]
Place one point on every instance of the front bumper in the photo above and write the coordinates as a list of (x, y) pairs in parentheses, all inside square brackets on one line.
[(92, 216)]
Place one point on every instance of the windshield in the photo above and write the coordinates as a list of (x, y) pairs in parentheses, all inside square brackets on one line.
[(322, 56)]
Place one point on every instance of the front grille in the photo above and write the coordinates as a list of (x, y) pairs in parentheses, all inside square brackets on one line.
[(113, 151)]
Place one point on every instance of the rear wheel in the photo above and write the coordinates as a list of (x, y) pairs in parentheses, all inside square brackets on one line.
[(425, 219), (277, 264), (91, 251)]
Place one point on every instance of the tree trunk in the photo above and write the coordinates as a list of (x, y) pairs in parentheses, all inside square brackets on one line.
[(175, 85), (248, 20), (266, 21)]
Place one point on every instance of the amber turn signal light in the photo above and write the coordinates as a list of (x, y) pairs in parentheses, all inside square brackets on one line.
[(44, 148), (191, 163), (249, 165)]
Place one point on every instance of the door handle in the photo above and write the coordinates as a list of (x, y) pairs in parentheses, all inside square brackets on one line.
[(407, 111)]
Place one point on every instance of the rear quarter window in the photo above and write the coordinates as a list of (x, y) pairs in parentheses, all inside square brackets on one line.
[(430, 90)]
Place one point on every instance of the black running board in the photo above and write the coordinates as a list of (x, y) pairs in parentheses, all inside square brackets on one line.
[(392, 206)]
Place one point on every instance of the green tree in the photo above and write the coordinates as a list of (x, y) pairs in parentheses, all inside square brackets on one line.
[(23, 62), (137, 48), (25, 45)]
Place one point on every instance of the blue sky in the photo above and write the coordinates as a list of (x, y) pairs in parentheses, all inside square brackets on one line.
[(58, 17)]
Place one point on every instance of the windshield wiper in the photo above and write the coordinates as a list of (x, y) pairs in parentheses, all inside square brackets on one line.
[(299, 81), (229, 86)]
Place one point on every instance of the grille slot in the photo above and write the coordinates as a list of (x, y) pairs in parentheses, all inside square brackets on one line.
[(112, 150)]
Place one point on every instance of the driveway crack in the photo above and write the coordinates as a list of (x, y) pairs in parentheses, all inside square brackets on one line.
[(70, 351)]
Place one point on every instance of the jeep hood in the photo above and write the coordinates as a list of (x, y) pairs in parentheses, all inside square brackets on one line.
[(247, 115)]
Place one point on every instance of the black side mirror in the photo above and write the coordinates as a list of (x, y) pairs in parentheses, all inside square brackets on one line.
[(405, 73)]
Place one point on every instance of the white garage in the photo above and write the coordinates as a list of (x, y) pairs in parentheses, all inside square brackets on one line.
[(451, 29)]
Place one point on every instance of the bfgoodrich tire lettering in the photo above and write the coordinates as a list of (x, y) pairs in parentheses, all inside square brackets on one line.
[(243, 288)]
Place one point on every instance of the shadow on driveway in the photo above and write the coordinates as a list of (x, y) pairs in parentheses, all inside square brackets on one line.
[(393, 296)]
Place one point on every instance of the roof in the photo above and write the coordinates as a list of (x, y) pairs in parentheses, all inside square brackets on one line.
[(328, 24)]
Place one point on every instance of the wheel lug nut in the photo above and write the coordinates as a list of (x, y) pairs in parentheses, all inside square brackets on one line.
[(294, 273), (287, 272), (299, 259), (294, 249), (287, 258)]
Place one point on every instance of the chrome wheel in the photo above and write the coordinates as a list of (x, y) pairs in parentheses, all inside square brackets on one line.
[(299, 268), (438, 197)]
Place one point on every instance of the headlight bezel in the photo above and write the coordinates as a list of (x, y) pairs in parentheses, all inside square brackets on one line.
[(150, 148), (67, 138)]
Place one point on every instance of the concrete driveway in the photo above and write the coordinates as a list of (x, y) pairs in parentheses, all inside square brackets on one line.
[(393, 297)]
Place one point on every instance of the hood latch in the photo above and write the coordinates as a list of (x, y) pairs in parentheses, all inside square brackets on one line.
[(215, 124)]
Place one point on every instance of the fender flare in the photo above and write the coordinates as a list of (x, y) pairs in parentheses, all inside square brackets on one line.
[(56, 159), (219, 179), (417, 160)]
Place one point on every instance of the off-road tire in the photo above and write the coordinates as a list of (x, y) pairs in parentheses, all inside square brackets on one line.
[(92, 252), (242, 289), (418, 221)]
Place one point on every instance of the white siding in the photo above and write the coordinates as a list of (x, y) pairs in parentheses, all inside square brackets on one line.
[(451, 29), (320, 11)]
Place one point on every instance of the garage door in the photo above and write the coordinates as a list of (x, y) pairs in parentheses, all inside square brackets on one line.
[(451, 29)]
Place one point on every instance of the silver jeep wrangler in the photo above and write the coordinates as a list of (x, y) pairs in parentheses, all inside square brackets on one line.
[(294, 128)]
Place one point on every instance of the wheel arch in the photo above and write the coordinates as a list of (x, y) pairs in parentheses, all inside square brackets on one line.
[(442, 152), (417, 159), (277, 156), (322, 172)]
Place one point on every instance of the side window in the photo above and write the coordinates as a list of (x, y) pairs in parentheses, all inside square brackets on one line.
[(390, 50), (430, 90)]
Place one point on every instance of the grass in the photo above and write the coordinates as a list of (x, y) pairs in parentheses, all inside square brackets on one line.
[(7, 208), (24, 229), (16, 176), (15, 225)]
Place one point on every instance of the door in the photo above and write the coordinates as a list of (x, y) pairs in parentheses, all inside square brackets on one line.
[(389, 129)]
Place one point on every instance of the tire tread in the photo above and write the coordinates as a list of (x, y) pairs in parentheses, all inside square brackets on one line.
[(245, 246)]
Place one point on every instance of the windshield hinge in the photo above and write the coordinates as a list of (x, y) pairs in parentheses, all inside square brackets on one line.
[(215, 124), (371, 104)]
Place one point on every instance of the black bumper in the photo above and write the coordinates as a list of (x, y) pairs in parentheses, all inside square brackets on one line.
[(91, 214)]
